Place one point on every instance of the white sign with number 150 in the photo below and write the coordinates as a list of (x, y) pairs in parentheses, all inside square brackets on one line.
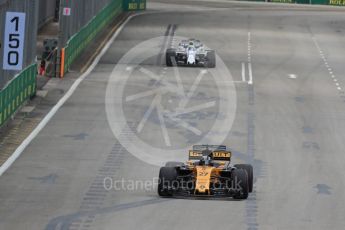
[(14, 41)]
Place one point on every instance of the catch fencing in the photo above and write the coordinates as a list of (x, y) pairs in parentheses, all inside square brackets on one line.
[(16, 92)]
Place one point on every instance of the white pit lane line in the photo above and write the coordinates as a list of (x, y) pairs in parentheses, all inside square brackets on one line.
[(7, 164)]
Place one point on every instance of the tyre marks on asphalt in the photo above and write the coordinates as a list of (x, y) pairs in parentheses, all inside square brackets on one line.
[(95, 196), (323, 189), (161, 72), (248, 63), (163, 46), (167, 43), (66, 222), (172, 40), (94, 199), (251, 203)]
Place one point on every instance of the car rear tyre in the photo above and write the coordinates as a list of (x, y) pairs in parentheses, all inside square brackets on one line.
[(240, 181), (169, 55), (167, 178), (249, 170)]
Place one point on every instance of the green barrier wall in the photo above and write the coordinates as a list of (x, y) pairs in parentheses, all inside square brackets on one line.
[(17, 91), (320, 2), (303, 1), (329, 2), (283, 1), (80, 40)]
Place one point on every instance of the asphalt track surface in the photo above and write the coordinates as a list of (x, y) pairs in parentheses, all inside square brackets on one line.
[(289, 122)]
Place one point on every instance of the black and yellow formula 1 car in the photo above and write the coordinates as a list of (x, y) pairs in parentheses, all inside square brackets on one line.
[(208, 172)]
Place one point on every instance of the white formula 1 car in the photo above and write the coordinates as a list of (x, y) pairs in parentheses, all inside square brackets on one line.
[(191, 53)]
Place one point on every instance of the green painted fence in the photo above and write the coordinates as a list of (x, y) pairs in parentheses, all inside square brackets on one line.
[(283, 1), (17, 91), (330, 2), (80, 40)]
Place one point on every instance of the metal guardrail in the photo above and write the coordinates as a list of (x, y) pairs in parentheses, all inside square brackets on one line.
[(77, 43), (17, 91)]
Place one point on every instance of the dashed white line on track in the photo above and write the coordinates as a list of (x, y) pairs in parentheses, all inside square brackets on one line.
[(292, 76), (329, 68)]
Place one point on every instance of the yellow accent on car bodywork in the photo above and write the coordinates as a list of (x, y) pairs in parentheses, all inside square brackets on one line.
[(205, 175), (203, 179)]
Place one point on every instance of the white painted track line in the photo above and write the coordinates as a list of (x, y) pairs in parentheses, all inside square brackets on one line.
[(327, 65), (250, 71), (243, 72)]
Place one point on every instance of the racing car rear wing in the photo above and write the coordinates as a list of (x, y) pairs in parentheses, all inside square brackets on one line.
[(194, 155), (218, 155), (221, 155), (209, 147)]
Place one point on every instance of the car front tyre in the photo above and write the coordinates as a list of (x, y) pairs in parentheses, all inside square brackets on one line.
[(240, 181), (249, 169), (167, 178), (211, 59), (169, 55)]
